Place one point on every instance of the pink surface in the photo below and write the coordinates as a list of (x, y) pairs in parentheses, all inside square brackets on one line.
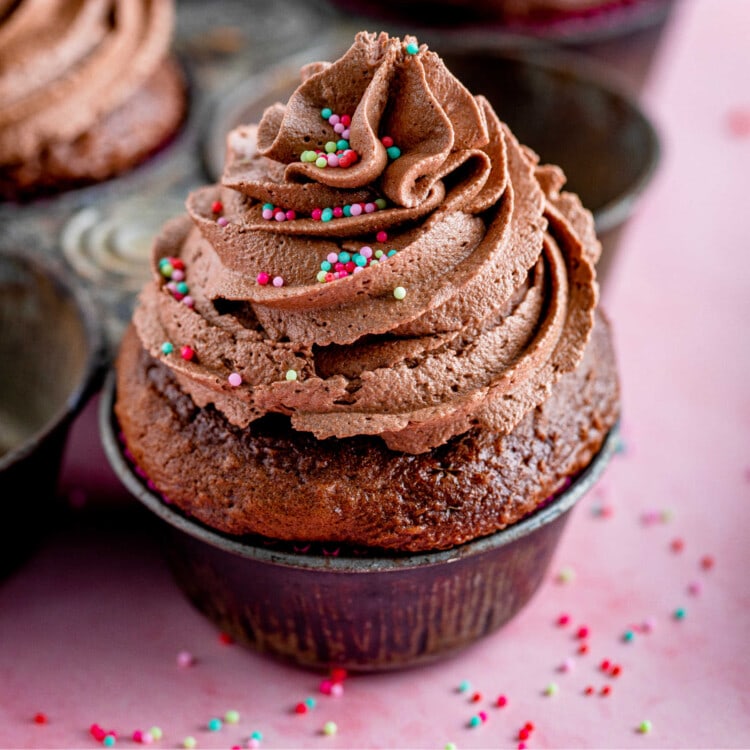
[(91, 627)]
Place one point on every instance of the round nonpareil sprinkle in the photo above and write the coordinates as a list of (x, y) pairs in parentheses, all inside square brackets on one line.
[(40, 718), (412, 48), (310, 702), (215, 724), (189, 743), (582, 632), (222, 221), (155, 733), (393, 152), (566, 575), (167, 347), (501, 701), (147, 738), (551, 689), (563, 620), (679, 613), (399, 293), (645, 726), (217, 207), (231, 717), (476, 697), (291, 375), (707, 562), (337, 690), (568, 665), (330, 728), (262, 278), (300, 708), (450, 746), (382, 236), (463, 686), (694, 588), (187, 353), (606, 690), (628, 636), (278, 281), (109, 741), (474, 722), (252, 743)]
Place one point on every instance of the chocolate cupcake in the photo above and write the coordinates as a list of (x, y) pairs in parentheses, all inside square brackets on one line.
[(379, 330), (88, 90)]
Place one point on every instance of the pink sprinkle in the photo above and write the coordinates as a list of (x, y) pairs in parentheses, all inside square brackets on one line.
[(339, 127), (333, 160), (356, 209), (325, 687), (345, 134), (521, 746), (582, 632), (381, 236), (739, 123), (338, 211), (563, 620), (337, 690), (172, 286), (222, 221), (252, 742), (137, 736), (291, 215), (366, 251), (695, 588), (648, 625), (501, 701), (332, 257), (262, 278), (267, 214), (188, 300), (343, 274), (278, 281), (178, 275), (334, 120), (147, 738), (235, 379), (280, 216), (568, 665), (483, 715), (370, 208), (185, 659), (358, 269), (316, 213)]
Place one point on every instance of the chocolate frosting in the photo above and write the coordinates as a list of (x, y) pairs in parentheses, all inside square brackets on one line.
[(497, 264), (65, 64)]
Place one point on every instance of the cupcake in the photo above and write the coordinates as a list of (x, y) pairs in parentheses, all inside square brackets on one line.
[(88, 90), (380, 330)]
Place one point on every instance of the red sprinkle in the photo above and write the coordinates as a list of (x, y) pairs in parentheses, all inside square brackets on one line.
[(381, 236), (97, 732), (677, 545), (177, 264), (338, 674), (589, 690), (707, 562), (605, 665), (606, 690), (217, 207), (476, 697), (528, 725), (563, 620), (40, 718), (226, 639), (300, 708), (501, 701), (582, 632), (615, 671), (523, 733), (583, 648), (187, 353), (387, 141), (346, 120)]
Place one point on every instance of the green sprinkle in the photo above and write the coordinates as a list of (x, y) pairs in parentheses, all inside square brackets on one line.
[(156, 733), (325, 113), (291, 375), (566, 575), (321, 277), (321, 162), (412, 48), (645, 726), (450, 746), (326, 214), (393, 152), (310, 702), (380, 203), (379, 254), (189, 743), (166, 269), (551, 689), (399, 292), (342, 145), (330, 728), (330, 147), (232, 717), (214, 725), (679, 613), (474, 721), (667, 516), (628, 636), (167, 348)]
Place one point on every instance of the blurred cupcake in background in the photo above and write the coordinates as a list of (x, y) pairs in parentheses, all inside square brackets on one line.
[(88, 90)]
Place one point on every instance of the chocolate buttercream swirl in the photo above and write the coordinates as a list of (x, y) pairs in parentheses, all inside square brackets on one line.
[(65, 64), (496, 263)]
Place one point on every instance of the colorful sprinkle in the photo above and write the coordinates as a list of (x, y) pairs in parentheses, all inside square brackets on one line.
[(262, 278), (217, 207), (235, 379), (109, 741), (475, 721), (222, 221), (185, 659), (278, 281), (568, 665), (476, 698), (501, 701), (450, 746), (40, 718), (231, 717), (566, 575), (707, 562), (463, 686), (551, 689), (645, 726), (393, 152), (582, 632), (167, 348), (563, 620), (291, 375), (300, 708), (679, 613), (310, 702), (256, 735), (214, 725), (155, 733), (628, 636), (187, 353), (381, 236), (189, 743), (412, 48), (677, 545), (399, 293), (330, 728)]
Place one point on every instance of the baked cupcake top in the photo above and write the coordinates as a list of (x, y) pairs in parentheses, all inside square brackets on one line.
[(64, 65), (382, 257)]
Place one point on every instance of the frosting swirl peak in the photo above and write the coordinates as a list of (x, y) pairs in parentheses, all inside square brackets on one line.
[(419, 288)]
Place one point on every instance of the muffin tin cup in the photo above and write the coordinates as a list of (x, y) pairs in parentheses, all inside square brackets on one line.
[(365, 612), (51, 347)]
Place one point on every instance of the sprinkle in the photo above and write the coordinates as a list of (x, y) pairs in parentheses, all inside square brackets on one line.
[(616, 670), (501, 701), (310, 702), (188, 301), (412, 48), (563, 620), (235, 379), (185, 659), (300, 708), (40, 718), (137, 736), (231, 717), (155, 733), (667, 515), (346, 120), (330, 147), (262, 278), (392, 252), (225, 639), (566, 575), (387, 141), (326, 112), (278, 281), (217, 207), (109, 741), (475, 721), (187, 353), (606, 690), (291, 375), (677, 545), (476, 697), (645, 726), (707, 562), (582, 632), (483, 716), (97, 732), (305, 156), (326, 214), (399, 292), (370, 208), (463, 686), (290, 215), (322, 276), (380, 203), (214, 725), (166, 269), (356, 209), (279, 216), (551, 689), (568, 665), (253, 743), (523, 733), (178, 275), (648, 625), (605, 665), (321, 162), (167, 348), (256, 735), (325, 687), (189, 743), (450, 746), (337, 690), (222, 221), (366, 252), (679, 613), (330, 728), (628, 636), (583, 648), (393, 152), (589, 690), (381, 236)]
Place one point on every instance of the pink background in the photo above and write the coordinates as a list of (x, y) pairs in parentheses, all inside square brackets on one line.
[(91, 626)]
